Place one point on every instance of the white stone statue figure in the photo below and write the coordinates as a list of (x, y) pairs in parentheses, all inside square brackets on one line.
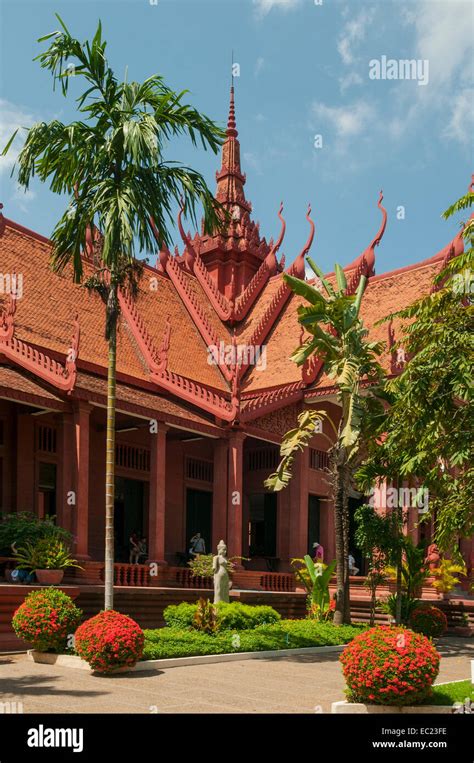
[(221, 575)]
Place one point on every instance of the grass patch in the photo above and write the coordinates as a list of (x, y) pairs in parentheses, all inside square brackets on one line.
[(162, 643), (447, 694)]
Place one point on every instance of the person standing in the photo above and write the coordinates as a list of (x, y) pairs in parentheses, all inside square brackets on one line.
[(197, 546), (134, 542), (318, 553), (353, 570)]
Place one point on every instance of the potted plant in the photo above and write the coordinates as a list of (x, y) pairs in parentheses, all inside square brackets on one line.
[(48, 558)]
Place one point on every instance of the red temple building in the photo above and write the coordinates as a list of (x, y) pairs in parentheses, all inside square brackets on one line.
[(199, 422)]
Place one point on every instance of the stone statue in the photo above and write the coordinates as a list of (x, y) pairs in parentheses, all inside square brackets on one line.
[(221, 574)]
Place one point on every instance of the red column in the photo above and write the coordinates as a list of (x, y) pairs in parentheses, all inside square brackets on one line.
[(298, 507), (235, 494), (156, 510), (219, 493), (25, 464), (67, 502), (81, 431)]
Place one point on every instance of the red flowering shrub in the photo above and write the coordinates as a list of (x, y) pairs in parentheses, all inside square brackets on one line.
[(46, 619), (430, 621), (109, 640), (389, 665)]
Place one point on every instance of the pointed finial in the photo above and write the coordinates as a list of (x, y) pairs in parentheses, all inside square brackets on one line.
[(231, 124)]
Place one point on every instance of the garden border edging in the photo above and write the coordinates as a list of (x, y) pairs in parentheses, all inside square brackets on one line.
[(72, 661), (345, 708)]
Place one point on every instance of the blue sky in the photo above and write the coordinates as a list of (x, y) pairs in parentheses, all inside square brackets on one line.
[(304, 71)]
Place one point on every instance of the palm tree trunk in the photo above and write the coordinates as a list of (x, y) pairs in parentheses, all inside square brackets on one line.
[(345, 530), (373, 604), (110, 458), (339, 531), (398, 608)]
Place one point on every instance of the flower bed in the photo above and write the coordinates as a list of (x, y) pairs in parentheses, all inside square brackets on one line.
[(234, 616), (46, 619), (109, 641), (389, 665), (287, 634)]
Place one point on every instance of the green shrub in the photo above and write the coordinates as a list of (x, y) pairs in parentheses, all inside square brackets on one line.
[(46, 619), (428, 620), (180, 615), (389, 665), (235, 616), (24, 527), (109, 641), (202, 567), (286, 634), (389, 606)]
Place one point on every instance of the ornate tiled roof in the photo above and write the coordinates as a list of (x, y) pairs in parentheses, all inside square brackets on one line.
[(225, 290)]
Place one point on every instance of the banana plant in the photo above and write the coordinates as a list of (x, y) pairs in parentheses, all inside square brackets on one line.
[(339, 339), (315, 578)]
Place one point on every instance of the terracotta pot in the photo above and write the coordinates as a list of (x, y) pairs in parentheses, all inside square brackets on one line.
[(49, 577)]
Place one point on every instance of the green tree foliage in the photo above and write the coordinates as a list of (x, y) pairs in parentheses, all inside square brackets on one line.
[(338, 338), (111, 164), (429, 425)]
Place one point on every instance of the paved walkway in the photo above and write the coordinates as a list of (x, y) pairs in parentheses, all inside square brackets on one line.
[(300, 683)]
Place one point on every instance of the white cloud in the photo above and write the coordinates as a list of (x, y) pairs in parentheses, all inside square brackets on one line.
[(23, 197), (252, 160), (354, 32), (350, 79), (461, 124), (263, 7), (443, 36), (12, 117), (258, 66), (347, 121)]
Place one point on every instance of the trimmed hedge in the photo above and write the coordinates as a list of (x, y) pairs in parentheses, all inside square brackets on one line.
[(109, 641), (46, 619), (286, 634), (235, 616), (389, 665), (428, 620)]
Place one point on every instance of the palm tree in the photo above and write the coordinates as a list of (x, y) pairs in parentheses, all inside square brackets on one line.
[(338, 338), (111, 165)]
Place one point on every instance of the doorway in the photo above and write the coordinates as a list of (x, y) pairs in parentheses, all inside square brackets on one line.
[(314, 523), (199, 516), (129, 515), (360, 562), (262, 524)]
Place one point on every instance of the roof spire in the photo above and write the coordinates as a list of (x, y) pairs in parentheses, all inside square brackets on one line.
[(230, 178), (231, 125)]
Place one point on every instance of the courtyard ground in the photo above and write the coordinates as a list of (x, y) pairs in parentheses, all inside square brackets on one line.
[(291, 684)]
